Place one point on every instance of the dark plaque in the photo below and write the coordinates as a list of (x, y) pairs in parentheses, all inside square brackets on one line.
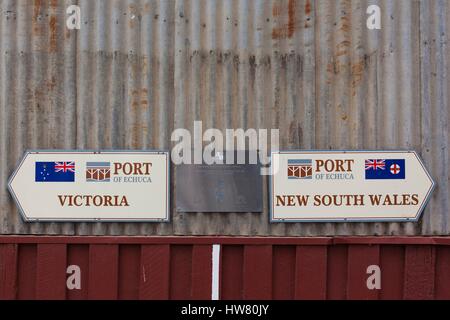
[(219, 187)]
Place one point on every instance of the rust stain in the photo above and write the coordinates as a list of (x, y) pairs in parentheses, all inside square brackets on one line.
[(53, 35), (342, 48), (144, 63), (307, 13), (276, 10), (308, 7), (357, 70), (36, 27), (36, 8), (291, 18), (278, 33), (336, 67), (330, 68), (50, 84), (39, 21), (132, 16), (139, 98), (344, 42), (286, 30), (147, 8), (345, 26)]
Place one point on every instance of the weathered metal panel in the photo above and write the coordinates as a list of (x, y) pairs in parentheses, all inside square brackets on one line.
[(137, 69), (218, 187), (248, 268)]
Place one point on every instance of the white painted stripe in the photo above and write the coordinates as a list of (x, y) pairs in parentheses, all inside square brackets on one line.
[(215, 272)]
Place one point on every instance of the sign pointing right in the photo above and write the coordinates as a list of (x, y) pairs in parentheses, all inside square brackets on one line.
[(314, 186)]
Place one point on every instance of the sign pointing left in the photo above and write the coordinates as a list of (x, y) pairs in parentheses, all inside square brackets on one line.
[(92, 186)]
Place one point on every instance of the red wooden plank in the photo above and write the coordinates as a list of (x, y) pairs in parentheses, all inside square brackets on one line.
[(442, 241), (180, 272), (187, 240), (337, 272), (311, 272), (283, 272), (201, 272), (26, 275), (419, 272), (155, 272), (390, 240), (258, 272), (129, 265), (51, 271), (231, 272), (442, 289), (410, 240), (359, 258), (8, 271), (78, 254), (103, 272), (392, 260)]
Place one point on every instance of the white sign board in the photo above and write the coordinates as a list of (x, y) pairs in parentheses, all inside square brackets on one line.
[(315, 186), (92, 186)]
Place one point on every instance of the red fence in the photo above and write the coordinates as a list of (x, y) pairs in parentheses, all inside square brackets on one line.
[(248, 268)]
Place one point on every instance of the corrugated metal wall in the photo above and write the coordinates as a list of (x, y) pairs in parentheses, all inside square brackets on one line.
[(252, 268), (139, 69)]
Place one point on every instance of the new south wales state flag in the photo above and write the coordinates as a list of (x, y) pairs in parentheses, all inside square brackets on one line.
[(385, 169)]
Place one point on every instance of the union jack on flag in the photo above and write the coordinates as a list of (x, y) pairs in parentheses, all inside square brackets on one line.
[(65, 166), (375, 164)]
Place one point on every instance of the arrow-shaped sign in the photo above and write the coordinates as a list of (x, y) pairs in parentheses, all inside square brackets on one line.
[(92, 186), (315, 186)]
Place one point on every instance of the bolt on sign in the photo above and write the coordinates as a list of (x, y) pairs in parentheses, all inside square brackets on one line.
[(92, 186), (314, 186)]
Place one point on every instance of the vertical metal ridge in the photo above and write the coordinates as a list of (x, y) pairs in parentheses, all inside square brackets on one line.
[(410, 75), (15, 60), (358, 83), (434, 69), (6, 206), (272, 85), (166, 76), (108, 57), (388, 78), (341, 96), (426, 94), (371, 95), (13, 104)]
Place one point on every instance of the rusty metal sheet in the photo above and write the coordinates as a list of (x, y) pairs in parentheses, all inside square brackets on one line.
[(137, 70)]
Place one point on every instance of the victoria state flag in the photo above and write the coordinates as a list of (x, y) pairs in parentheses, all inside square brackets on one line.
[(63, 171), (385, 169)]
